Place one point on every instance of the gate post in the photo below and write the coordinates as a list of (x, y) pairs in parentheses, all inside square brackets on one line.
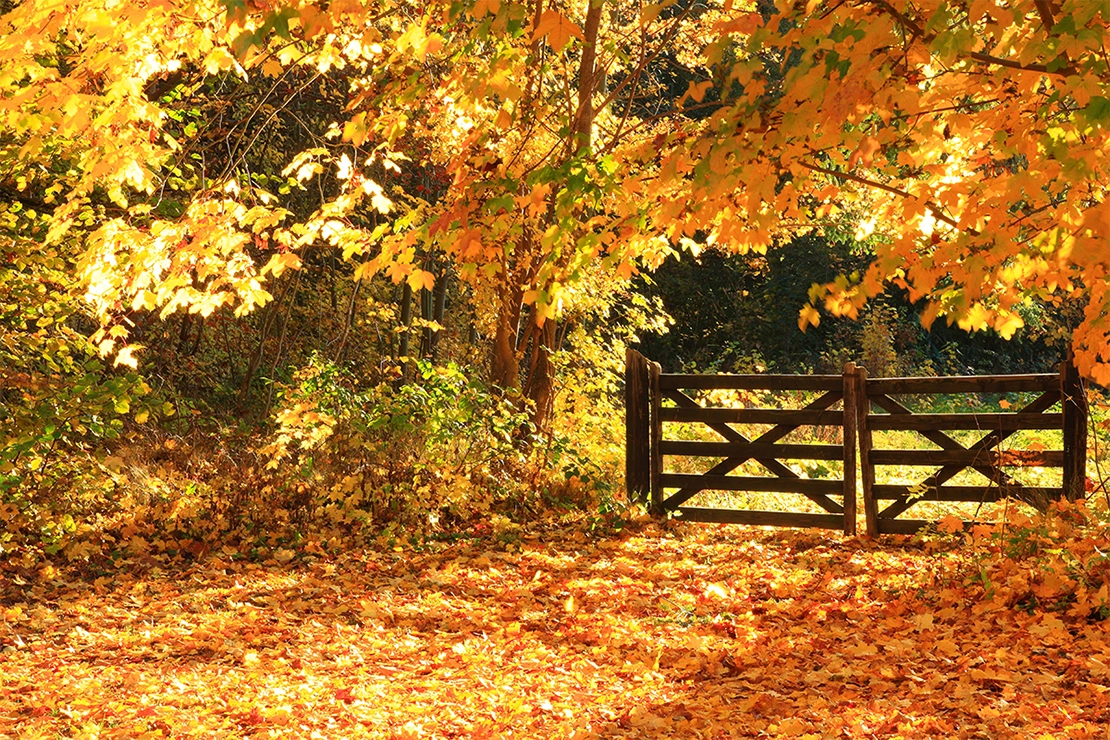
[(867, 469), (851, 410), (1073, 400), (654, 371), (637, 465)]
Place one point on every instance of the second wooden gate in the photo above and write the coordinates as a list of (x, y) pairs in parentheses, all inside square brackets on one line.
[(647, 386), (984, 456), (865, 406)]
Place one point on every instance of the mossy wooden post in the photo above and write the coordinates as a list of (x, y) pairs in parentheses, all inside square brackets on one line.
[(1073, 399), (654, 371), (867, 469), (851, 410), (637, 429)]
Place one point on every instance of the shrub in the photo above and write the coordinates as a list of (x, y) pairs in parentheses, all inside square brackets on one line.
[(444, 444)]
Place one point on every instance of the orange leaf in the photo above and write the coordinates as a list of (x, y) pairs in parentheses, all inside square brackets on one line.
[(950, 524), (558, 29)]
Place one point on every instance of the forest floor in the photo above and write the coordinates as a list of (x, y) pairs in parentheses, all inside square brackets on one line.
[(676, 630)]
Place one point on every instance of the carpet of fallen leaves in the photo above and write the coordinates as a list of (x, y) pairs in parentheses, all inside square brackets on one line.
[(678, 630)]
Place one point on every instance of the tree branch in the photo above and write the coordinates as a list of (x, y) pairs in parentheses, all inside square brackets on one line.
[(936, 210), (916, 30), (1045, 11)]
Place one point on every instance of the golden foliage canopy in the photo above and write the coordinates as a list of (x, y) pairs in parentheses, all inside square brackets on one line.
[(973, 135)]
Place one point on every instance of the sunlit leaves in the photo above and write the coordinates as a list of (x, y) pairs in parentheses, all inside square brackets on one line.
[(968, 135), (973, 140), (557, 29), (567, 633)]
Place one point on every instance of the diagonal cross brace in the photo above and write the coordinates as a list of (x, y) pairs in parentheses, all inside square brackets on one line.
[(992, 472), (772, 435)]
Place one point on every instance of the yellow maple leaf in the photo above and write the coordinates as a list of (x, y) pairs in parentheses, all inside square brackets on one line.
[(1008, 323), (126, 356), (557, 28), (483, 7), (279, 263), (421, 279), (272, 68), (977, 319), (696, 90), (808, 317)]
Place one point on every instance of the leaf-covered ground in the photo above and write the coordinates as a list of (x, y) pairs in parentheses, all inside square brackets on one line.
[(692, 631)]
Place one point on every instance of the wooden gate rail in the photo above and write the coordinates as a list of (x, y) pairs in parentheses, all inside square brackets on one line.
[(737, 448), (868, 406), (983, 456)]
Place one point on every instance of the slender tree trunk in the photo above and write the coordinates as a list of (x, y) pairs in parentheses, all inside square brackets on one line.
[(406, 321), (183, 333), (426, 333), (351, 308), (504, 370), (587, 79), (270, 312), (540, 389), (199, 337), (541, 373), (514, 338), (439, 305)]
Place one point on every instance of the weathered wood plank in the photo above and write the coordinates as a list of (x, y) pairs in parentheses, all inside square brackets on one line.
[(823, 401), (965, 384), (867, 467), (897, 508), (990, 440), (970, 494), (967, 458), (792, 417), (1075, 432), (656, 399), (749, 483), (901, 526), (945, 442), (761, 518), (759, 452), (730, 434), (1006, 422), (689, 381), (850, 389), (637, 437)]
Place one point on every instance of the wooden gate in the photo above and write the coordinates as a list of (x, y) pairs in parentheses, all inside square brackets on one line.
[(647, 447), (884, 503)]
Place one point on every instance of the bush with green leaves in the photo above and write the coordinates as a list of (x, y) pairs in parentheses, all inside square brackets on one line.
[(59, 402), (441, 445)]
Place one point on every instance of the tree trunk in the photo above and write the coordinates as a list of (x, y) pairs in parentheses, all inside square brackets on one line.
[(406, 320), (269, 313), (587, 80), (183, 333), (439, 305), (504, 371), (350, 319), (426, 333), (541, 373)]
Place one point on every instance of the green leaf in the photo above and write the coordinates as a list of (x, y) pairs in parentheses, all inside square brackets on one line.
[(1097, 110)]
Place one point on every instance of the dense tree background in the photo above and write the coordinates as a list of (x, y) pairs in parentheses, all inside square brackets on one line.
[(738, 313)]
